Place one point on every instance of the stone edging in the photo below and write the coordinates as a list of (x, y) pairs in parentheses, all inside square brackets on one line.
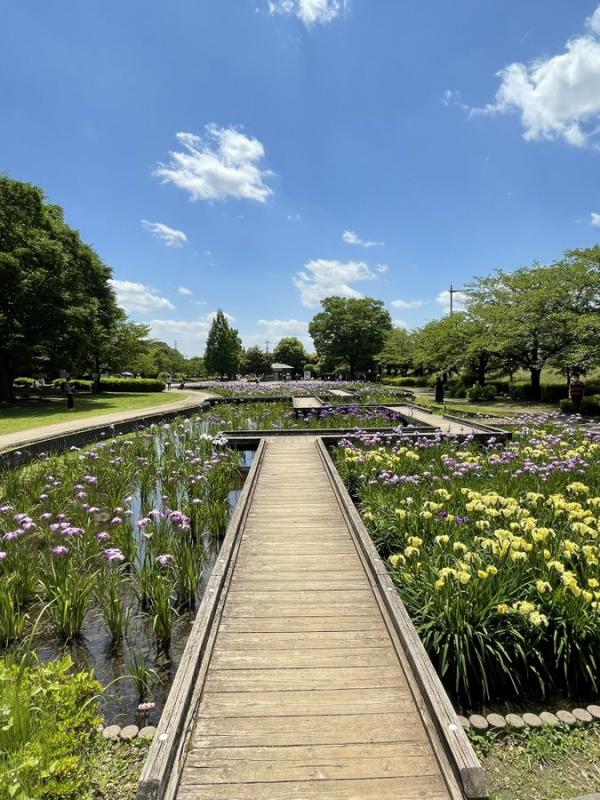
[(497, 722), (115, 733)]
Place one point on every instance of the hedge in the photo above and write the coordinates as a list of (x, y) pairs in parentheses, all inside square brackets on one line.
[(402, 381), (132, 385), (79, 384), (590, 407), (478, 392), (551, 392)]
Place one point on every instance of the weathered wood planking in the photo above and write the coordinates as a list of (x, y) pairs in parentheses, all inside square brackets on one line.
[(305, 691)]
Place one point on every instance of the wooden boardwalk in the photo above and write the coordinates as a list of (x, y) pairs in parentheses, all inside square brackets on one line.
[(306, 690), (449, 425)]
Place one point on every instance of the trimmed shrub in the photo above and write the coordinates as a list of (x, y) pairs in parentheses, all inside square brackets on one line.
[(457, 388), (590, 407), (402, 381), (23, 382), (132, 385), (478, 392)]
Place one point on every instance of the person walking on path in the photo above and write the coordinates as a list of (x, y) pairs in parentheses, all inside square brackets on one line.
[(576, 392), (69, 390), (169, 381)]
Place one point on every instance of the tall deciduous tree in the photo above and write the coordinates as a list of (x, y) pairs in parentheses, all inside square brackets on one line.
[(223, 347), (255, 362), (452, 344), (290, 350), (350, 331), (398, 351), (56, 302), (543, 313)]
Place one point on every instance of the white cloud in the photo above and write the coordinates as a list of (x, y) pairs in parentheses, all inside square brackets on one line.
[(190, 335), (407, 303), (595, 219), (443, 299), (558, 97), (453, 97), (593, 22), (309, 11), (382, 268), (399, 323), (351, 237), (294, 217), (185, 292), (222, 164), (170, 236), (323, 278), (137, 297)]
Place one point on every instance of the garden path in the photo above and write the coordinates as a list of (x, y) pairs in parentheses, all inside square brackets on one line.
[(308, 693)]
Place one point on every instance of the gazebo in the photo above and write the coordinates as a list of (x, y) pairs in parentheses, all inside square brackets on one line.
[(281, 372)]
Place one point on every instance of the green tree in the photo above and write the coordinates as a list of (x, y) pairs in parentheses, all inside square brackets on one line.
[(541, 314), (398, 351), (56, 303), (290, 350), (124, 348), (255, 362), (350, 331), (223, 347), (194, 367)]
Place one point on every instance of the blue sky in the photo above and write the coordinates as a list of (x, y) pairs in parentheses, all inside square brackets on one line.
[(257, 155)]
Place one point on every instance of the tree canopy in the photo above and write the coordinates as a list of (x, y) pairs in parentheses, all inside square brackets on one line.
[(290, 350), (255, 362), (350, 331), (223, 348), (57, 307)]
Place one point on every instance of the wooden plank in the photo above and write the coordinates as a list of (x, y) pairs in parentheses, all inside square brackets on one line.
[(429, 787), (304, 730), (373, 656), (337, 762), (302, 703), (291, 624), (304, 679), (271, 643)]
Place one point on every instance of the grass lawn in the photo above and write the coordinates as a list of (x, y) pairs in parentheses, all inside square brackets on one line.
[(544, 764), (499, 408), (34, 414)]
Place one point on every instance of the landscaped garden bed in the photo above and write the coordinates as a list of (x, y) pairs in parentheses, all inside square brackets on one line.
[(494, 551)]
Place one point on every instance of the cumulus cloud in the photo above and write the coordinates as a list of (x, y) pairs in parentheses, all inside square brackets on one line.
[(382, 268), (323, 278), (224, 163), (407, 303), (443, 299), (309, 11), (170, 236), (557, 97), (351, 237), (595, 219), (190, 335), (138, 297), (184, 291)]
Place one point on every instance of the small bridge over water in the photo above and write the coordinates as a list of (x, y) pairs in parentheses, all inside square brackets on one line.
[(303, 676)]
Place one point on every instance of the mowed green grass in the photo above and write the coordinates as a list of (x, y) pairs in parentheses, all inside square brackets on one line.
[(36, 414)]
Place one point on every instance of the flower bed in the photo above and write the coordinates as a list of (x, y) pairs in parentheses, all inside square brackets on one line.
[(104, 553), (495, 553)]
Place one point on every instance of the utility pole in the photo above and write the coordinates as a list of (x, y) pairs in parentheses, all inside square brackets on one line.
[(452, 291), (267, 343)]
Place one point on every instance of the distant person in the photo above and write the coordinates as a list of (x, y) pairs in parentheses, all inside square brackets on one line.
[(69, 390), (182, 385), (169, 383), (439, 389), (576, 392), (138, 376)]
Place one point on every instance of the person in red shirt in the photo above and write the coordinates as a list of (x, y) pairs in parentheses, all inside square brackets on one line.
[(576, 391)]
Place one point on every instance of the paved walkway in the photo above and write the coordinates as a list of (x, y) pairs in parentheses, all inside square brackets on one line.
[(305, 695), (28, 436)]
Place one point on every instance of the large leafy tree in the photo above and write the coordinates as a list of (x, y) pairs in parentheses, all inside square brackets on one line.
[(223, 347), (398, 351), (255, 362), (56, 303), (350, 331), (456, 343), (290, 350), (541, 314)]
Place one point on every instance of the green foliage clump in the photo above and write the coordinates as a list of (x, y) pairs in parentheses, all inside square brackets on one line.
[(402, 381), (49, 714), (478, 392), (590, 407)]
